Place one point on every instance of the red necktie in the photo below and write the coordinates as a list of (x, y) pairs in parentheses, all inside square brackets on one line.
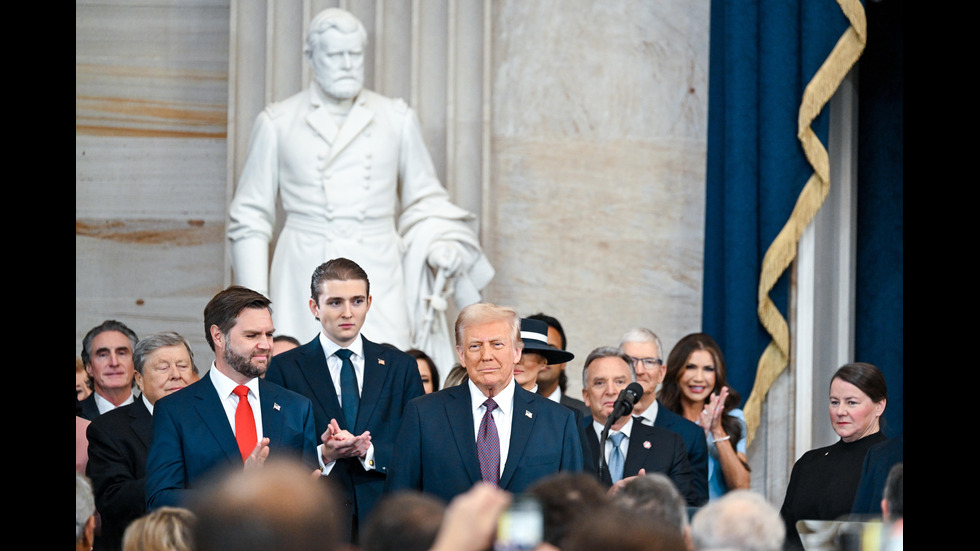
[(244, 423)]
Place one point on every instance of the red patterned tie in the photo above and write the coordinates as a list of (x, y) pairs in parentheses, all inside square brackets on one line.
[(244, 423), (488, 445)]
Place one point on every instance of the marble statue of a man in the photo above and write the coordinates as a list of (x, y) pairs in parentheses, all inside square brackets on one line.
[(355, 181)]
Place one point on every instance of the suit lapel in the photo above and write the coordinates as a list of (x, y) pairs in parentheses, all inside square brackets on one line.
[(636, 452), (317, 375), (272, 417), (213, 415), (141, 422), (460, 418), (319, 118), (356, 121), (376, 370), (520, 432)]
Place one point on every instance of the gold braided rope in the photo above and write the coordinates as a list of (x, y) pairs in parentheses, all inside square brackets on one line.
[(783, 249)]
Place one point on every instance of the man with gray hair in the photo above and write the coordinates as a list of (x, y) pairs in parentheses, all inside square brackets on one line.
[(741, 520), (84, 514), (646, 353), (355, 180), (631, 448), (107, 352), (655, 495), (119, 440)]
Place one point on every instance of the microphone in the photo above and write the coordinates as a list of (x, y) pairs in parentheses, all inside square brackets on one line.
[(623, 406), (627, 398)]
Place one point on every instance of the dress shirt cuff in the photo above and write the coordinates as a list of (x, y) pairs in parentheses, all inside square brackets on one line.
[(368, 460), (325, 468)]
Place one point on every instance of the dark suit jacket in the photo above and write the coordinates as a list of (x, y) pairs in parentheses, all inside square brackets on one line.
[(391, 379), (435, 451), (654, 449), (577, 405), (192, 438), (87, 408), (880, 459), (118, 443), (697, 449)]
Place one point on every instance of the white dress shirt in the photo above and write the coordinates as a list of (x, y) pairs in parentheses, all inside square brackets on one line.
[(649, 417), (623, 446), (503, 415), (229, 400), (334, 364), (106, 406)]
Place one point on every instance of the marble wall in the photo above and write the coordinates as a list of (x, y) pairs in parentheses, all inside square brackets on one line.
[(575, 129), (599, 138)]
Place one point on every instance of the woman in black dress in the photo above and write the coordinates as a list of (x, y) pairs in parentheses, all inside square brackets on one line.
[(824, 480)]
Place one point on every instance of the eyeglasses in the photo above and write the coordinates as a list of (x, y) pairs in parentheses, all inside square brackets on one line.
[(648, 363)]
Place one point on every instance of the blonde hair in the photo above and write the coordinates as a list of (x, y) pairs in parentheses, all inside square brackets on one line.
[(484, 312), (164, 529)]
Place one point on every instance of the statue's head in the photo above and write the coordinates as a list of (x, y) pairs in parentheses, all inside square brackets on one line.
[(335, 48)]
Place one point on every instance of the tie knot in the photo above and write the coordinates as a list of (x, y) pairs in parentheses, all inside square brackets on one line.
[(343, 354), (490, 404), (241, 391), (617, 438)]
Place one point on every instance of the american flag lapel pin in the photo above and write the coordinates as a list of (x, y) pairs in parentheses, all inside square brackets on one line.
[(528, 414), (380, 361), (275, 406)]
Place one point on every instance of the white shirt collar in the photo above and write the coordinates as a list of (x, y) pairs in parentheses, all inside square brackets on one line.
[(504, 398), (556, 395), (106, 406), (330, 347), (626, 429), (226, 387)]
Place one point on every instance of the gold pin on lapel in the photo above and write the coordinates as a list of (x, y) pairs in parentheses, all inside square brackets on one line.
[(380, 361), (275, 406)]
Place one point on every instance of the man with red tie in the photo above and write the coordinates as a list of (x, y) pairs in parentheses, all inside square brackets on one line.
[(231, 416)]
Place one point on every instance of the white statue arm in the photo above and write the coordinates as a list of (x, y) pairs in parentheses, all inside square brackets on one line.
[(252, 214)]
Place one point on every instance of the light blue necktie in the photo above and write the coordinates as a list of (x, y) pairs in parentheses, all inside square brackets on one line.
[(348, 388), (616, 459)]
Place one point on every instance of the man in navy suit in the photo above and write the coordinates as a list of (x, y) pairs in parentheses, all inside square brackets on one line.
[(231, 416), (383, 379), (640, 448), (488, 428), (644, 349)]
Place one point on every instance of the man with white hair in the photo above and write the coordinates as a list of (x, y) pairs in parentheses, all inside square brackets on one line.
[(647, 354), (741, 520), (356, 181)]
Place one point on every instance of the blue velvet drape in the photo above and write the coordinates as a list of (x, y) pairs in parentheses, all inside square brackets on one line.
[(763, 54)]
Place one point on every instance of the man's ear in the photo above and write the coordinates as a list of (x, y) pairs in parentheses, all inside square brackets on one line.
[(216, 335), (314, 309)]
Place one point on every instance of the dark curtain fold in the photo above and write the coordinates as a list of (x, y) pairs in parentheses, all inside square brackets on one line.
[(763, 54)]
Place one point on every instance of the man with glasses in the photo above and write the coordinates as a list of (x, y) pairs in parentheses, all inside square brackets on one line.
[(645, 351)]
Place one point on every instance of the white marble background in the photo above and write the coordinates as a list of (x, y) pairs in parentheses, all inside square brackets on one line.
[(594, 137)]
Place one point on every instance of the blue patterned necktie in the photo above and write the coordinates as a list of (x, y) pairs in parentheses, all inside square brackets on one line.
[(488, 445), (616, 459), (349, 395)]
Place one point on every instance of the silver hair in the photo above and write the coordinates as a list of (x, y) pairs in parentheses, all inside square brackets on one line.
[(642, 334), (654, 494), (605, 352), (84, 504), (154, 342), (333, 18), (741, 520)]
